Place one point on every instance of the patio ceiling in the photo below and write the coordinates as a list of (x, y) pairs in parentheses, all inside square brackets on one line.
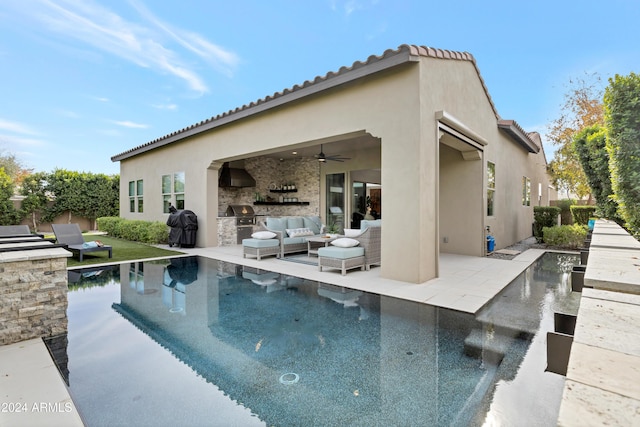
[(346, 144)]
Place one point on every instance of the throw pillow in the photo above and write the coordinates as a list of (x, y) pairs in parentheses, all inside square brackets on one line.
[(263, 235), (299, 232), (345, 242), (352, 232)]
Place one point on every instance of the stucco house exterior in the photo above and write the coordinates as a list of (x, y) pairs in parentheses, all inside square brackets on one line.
[(415, 126)]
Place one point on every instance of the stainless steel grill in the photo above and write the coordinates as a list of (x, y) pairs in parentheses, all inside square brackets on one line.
[(245, 220)]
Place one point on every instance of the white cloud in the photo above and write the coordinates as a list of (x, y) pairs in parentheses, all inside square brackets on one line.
[(17, 141), (132, 125), (171, 107), (69, 114), (215, 55), (141, 43), (15, 127), (351, 6)]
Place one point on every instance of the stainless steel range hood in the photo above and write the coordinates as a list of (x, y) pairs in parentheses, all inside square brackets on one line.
[(235, 176)]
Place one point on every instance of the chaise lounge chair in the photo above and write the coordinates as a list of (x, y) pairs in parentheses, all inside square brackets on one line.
[(70, 235), (15, 231)]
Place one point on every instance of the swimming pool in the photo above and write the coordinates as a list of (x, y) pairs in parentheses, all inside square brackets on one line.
[(193, 341)]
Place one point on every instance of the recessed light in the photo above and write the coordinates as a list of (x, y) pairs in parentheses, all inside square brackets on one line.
[(294, 152)]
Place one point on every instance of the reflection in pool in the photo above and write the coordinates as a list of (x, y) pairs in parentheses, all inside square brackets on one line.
[(194, 341)]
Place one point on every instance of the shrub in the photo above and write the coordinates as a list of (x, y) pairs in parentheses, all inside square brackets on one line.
[(622, 117), (158, 232), (565, 211), (109, 224), (565, 236), (544, 216), (581, 214), (153, 232)]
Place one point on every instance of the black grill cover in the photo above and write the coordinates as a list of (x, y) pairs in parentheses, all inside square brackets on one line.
[(184, 225)]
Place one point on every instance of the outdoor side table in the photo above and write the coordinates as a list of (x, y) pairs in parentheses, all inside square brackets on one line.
[(315, 242)]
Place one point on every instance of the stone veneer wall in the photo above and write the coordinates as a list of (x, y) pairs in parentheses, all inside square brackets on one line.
[(303, 172), (33, 295)]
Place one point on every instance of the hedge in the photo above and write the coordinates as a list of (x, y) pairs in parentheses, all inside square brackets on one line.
[(581, 214), (565, 236), (544, 216), (153, 232), (565, 211)]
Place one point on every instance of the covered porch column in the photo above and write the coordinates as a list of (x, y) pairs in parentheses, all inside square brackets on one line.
[(210, 234), (410, 223)]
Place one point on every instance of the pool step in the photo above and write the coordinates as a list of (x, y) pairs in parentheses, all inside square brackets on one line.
[(490, 346)]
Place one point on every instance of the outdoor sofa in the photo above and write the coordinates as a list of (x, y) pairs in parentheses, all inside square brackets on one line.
[(292, 231)]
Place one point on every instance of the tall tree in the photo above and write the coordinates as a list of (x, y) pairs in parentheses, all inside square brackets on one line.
[(35, 197), (622, 104), (13, 167), (590, 145), (102, 197), (8, 213), (67, 190), (582, 108)]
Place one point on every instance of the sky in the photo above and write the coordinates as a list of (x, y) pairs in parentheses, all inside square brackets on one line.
[(84, 80)]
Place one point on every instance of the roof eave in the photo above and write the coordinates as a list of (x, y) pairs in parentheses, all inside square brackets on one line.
[(511, 128)]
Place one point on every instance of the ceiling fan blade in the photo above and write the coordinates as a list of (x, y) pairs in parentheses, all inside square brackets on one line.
[(324, 158), (338, 158)]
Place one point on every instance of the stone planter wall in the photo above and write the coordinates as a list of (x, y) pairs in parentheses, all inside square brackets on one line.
[(33, 294)]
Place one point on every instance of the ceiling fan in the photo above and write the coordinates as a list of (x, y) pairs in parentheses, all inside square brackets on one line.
[(336, 158)]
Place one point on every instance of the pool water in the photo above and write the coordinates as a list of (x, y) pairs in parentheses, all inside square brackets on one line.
[(193, 341)]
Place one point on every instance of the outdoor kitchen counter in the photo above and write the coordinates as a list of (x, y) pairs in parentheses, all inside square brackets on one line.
[(227, 232)]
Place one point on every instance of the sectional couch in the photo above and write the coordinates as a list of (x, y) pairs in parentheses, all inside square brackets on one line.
[(293, 231)]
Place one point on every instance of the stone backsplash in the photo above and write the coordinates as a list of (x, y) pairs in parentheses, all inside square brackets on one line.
[(303, 172)]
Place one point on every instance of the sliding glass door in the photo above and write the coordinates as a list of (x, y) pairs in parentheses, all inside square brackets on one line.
[(336, 201)]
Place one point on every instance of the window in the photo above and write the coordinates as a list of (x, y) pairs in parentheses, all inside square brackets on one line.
[(173, 191), (526, 191), (491, 187), (136, 192)]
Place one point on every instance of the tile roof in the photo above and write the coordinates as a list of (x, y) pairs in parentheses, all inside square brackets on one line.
[(513, 129), (390, 58)]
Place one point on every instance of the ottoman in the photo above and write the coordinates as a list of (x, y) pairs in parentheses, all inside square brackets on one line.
[(341, 258), (260, 247)]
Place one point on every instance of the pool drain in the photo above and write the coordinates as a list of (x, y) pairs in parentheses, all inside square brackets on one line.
[(289, 378)]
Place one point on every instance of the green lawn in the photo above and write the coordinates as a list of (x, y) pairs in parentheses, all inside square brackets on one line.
[(123, 250)]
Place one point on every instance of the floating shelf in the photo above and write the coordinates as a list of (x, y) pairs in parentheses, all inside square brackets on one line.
[(280, 203), (284, 191)]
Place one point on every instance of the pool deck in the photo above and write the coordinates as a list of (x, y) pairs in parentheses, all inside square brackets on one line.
[(27, 374), (466, 283), (602, 384)]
